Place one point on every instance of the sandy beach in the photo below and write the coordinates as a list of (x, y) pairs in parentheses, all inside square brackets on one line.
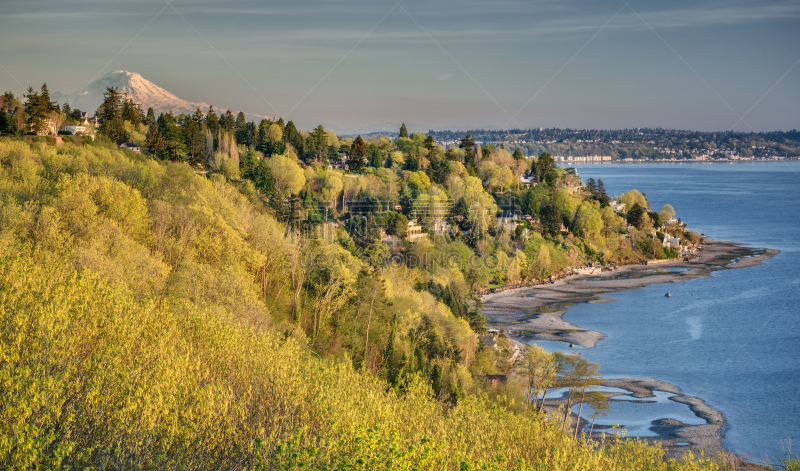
[(535, 313)]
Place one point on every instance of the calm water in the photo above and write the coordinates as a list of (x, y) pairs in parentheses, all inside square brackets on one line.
[(732, 339)]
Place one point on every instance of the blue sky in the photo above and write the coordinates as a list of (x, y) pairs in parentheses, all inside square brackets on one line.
[(437, 64)]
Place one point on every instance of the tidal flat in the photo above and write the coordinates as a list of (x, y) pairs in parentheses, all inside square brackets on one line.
[(534, 315)]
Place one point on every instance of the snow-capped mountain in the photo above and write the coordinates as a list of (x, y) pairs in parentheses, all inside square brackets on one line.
[(138, 88)]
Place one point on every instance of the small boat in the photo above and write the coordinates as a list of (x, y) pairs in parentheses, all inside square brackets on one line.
[(667, 295)]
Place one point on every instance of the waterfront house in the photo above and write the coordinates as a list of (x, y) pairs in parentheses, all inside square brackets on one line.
[(671, 242)]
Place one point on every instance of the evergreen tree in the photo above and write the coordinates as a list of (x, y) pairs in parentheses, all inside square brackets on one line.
[(318, 140), (403, 131), (150, 120), (250, 134), (601, 189), (438, 169), (46, 102), (518, 154), (155, 143), (358, 153), (292, 136), (545, 168), (212, 122), (376, 159), (591, 185), (36, 115), (241, 129), (551, 219), (468, 144), (333, 153), (227, 122), (4, 122), (430, 146), (412, 162), (65, 108), (192, 138), (131, 112), (112, 125), (636, 216)]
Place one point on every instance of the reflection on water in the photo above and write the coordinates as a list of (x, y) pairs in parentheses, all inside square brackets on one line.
[(635, 416)]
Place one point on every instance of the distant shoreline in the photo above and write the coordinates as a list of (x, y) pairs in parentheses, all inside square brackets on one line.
[(688, 161), (535, 313)]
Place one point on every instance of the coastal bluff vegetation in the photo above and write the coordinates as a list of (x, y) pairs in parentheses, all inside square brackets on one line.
[(245, 305)]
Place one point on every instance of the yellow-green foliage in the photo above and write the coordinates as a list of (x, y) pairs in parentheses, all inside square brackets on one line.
[(92, 377), (143, 325)]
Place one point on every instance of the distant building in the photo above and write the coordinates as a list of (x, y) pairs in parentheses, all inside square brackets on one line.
[(76, 129), (508, 220), (671, 242), (617, 207), (130, 146), (338, 166), (414, 232)]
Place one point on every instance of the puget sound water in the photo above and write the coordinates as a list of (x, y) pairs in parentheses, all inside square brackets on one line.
[(732, 339)]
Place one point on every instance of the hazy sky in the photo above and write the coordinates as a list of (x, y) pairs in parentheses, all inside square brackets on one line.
[(442, 64)]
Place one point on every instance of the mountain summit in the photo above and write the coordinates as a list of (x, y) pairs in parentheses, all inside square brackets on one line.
[(138, 88)]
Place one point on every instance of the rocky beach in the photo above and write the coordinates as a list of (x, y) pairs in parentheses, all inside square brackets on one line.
[(535, 314)]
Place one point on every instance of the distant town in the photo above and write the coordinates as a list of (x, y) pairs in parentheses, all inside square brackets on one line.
[(632, 145)]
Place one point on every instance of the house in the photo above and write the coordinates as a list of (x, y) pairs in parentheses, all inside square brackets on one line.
[(414, 232), (671, 242), (438, 226), (589, 271), (526, 178), (49, 128), (508, 220), (616, 206), (338, 166), (130, 146), (75, 129)]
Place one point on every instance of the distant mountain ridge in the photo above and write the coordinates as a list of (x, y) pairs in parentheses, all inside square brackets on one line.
[(137, 88)]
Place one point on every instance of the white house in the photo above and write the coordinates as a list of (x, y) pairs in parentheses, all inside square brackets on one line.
[(508, 220), (671, 242), (130, 146), (617, 206), (76, 129)]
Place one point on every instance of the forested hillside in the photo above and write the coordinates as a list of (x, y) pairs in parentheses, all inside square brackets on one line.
[(151, 320), (261, 297)]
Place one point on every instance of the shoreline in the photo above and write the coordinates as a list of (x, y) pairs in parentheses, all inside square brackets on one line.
[(535, 313)]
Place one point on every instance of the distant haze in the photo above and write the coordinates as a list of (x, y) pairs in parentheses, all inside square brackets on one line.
[(366, 65)]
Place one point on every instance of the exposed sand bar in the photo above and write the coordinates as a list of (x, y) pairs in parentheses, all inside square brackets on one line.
[(535, 313)]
